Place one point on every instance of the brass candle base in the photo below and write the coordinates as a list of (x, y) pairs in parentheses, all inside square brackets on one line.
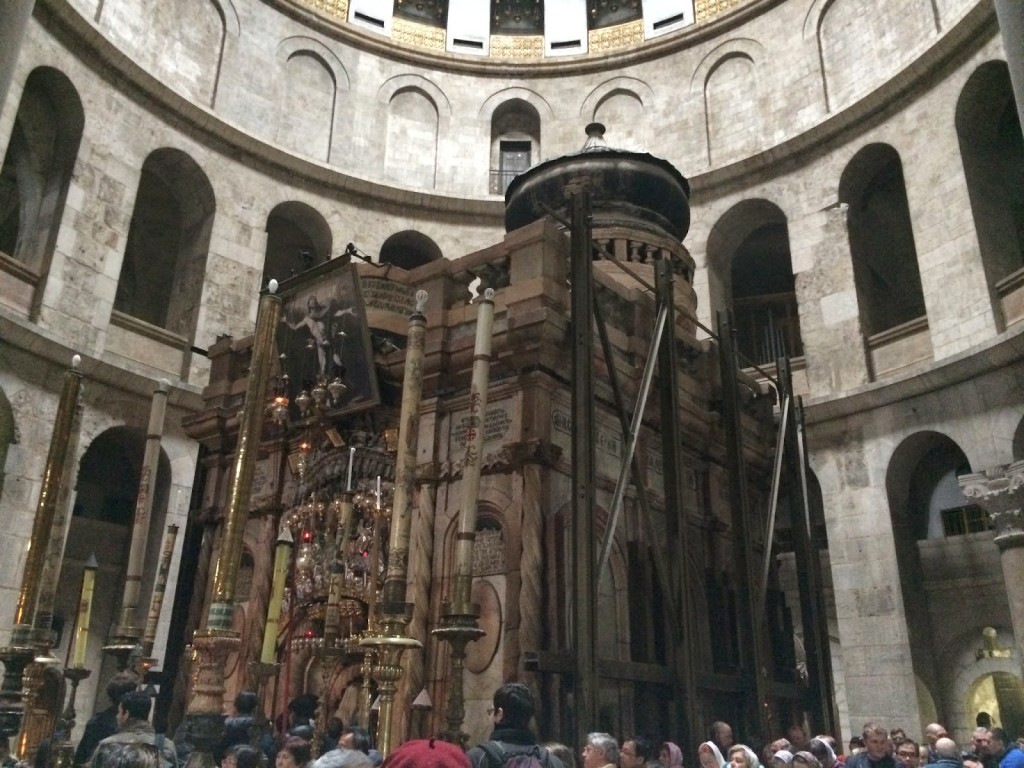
[(63, 755), (204, 720), (389, 643), (459, 628), (15, 657)]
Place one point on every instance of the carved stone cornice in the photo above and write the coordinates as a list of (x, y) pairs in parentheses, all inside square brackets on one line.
[(509, 458), (1000, 491)]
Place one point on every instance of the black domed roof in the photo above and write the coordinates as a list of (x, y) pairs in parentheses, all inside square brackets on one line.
[(632, 189)]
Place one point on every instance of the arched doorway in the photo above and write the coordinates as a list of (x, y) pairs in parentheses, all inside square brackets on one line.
[(1001, 696)]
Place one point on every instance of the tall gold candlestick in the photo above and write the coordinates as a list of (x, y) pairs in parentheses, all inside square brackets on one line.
[(20, 651), (282, 560), (216, 640), (84, 613)]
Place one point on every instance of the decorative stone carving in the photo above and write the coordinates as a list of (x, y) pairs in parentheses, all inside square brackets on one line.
[(1000, 491), (628, 35)]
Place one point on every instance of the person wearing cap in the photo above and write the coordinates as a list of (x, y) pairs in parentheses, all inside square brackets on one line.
[(427, 753)]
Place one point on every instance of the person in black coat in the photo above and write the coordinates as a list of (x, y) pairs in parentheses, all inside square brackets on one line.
[(104, 723)]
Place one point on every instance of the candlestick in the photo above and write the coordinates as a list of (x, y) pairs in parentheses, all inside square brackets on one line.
[(84, 613), (351, 461), (282, 559), (466, 536), (157, 600)]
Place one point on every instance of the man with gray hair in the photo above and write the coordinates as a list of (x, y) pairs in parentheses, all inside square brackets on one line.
[(601, 751)]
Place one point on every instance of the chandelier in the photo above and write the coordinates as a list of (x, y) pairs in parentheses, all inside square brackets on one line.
[(341, 528)]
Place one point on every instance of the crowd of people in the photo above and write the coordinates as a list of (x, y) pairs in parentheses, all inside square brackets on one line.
[(122, 737)]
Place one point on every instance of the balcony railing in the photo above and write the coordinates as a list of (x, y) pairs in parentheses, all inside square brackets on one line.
[(500, 179)]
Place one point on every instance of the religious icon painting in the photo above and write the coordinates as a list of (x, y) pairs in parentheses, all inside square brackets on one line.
[(325, 342)]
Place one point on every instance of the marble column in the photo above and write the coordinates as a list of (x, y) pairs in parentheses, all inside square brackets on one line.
[(1000, 492)]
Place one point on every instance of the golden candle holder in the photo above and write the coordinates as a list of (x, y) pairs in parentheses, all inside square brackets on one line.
[(389, 643), (63, 755), (459, 628)]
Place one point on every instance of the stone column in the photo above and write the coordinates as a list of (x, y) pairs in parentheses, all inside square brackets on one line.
[(1000, 492), (1011, 23), (13, 23)]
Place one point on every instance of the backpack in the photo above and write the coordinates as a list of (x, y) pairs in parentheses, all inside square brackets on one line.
[(501, 755)]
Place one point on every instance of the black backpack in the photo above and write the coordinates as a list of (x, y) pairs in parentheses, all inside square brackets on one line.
[(501, 755)]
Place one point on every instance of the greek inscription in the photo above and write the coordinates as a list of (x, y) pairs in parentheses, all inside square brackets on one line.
[(497, 425), (388, 296)]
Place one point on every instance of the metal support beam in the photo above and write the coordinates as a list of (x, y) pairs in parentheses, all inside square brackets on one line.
[(751, 621), (584, 629), (684, 643)]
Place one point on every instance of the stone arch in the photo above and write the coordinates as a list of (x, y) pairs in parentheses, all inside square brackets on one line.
[(34, 181), (306, 118), (311, 46), (1018, 441), (107, 486), (409, 249), (164, 266), (531, 97), (410, 149), (733, 127), (298, 238), (992, 152), (920, 476), (393, 85), (885, 267), (964, 667), (841, 82), (749, 247), (620, 103), (515, 141)]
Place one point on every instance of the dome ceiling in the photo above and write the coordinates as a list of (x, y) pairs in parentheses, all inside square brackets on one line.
[(520, 17)]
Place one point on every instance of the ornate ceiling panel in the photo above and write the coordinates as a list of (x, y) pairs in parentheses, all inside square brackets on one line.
[(607, 13), (517, 17), (432, 12)]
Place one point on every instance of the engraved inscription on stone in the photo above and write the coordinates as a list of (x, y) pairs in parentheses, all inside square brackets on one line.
[(489, 552), (497, 425), (387, 296), (606, 442)]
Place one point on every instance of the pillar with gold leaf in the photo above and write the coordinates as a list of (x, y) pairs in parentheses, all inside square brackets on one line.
[(21, 650), (459, 617), (216, 639), (390, 639)]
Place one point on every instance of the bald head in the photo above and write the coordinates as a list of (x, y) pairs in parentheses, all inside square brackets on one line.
[(946, 748), (933, 733)]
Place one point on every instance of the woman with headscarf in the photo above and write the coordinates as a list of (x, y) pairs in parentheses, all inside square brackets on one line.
[(742, 756), (709, 755), (671, 755)]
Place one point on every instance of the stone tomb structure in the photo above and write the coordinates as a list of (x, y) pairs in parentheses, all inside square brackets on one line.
[(522, 558)]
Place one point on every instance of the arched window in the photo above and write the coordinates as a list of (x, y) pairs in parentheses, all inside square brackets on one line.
[(34, 180), (881, 240), (992, 153), (298, 238), (164, 263), (515, 142), (753, 239), (410, 152), (409, 249)]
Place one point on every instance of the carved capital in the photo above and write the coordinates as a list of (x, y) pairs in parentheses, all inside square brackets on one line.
[(1000, 492)]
